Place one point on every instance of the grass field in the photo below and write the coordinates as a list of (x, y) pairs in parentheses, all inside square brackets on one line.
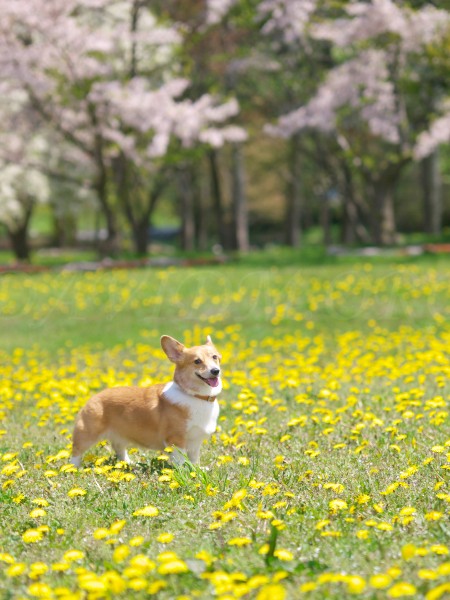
[(328, 476)]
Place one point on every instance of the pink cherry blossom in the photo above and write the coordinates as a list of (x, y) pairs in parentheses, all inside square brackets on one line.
[(363, 85)]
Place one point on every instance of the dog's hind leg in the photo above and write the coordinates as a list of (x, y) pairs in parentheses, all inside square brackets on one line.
[(86, 433)]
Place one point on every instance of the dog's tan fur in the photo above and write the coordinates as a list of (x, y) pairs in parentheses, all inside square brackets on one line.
[(144, 416), (139, 415)]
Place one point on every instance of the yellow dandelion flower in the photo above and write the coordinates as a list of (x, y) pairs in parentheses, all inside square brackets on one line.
[(32, 535), (16, 570), (6, 558), (40, 502), (439, 549), (434, 515), (407, 510), (43, 528), (239, 541), (37, 569), (73, 555), (383, 526), (76, 492), (156, 586), (309, 586), (338, 488), (265, 514), (438, 592), (37, 512), (137, 584), (120, 553), (363, 499), (40, 590), (402, 589), (206, 557), (355, 584), (117, 526), (337, 504), (91, 584), (50, 473), (146, 511), (362, 534), (9, 456), (143, 563), (174, 566), (114, 582), (138, 540), (427, 574), (272, 592), (101, 533), (282, 554), (409, 551), (444, 569), (165, 538), (381, 581)]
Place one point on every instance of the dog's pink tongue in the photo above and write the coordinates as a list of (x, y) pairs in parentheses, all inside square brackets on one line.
[(213, 381)]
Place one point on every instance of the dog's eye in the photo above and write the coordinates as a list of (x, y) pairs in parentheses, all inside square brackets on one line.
[(215, 357), (197, 361)]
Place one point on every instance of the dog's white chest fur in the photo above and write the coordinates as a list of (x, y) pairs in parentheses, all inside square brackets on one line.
[(202, 414)]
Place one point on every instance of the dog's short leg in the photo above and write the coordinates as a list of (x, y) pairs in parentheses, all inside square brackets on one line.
[(193, 450), (86, 433), (76, 461), (178, 455), (122, 454), (120, 450)]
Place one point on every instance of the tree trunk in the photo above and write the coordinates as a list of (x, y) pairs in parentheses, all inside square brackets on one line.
[(240, 211), (111, 227), (383, 215), (19, 237), (325, 221), (187, 209), (431, 189), (19, 242), (141, 237), (293, 209), (64, 229), (349, 216), (201, 223), (217, 196), (110, 246), (353, 228)]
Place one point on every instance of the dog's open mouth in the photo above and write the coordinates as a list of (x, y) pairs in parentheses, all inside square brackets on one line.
[(211, 381)]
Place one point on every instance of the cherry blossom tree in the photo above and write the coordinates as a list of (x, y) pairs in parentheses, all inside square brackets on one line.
[(370, 100), (22, 185), (103, 76)]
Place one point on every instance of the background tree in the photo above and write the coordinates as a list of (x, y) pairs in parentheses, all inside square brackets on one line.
[(370, 100), (103, 76)]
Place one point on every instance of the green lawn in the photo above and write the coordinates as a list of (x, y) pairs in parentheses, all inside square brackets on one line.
[(328, 476)]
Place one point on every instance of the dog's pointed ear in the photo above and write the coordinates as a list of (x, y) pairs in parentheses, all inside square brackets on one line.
[(209, 340), (173, 348)]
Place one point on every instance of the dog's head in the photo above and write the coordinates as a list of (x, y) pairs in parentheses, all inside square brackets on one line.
[(197, 369)]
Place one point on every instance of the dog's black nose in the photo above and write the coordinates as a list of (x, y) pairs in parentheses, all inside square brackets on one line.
[(215, 371)]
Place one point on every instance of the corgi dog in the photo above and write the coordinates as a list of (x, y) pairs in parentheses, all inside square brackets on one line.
[(181, 413)]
